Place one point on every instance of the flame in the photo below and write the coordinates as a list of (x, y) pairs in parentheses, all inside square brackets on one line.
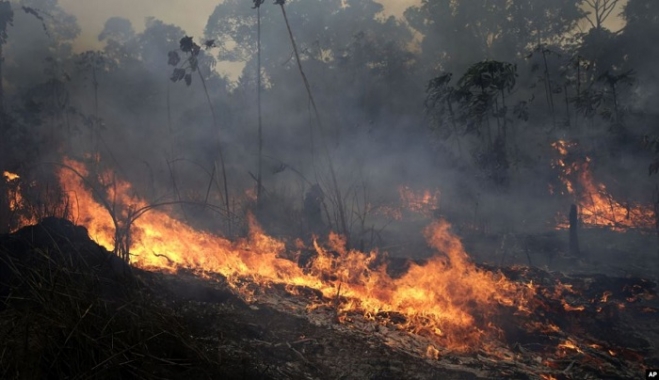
[(13, 194), (597, 207), (569, 307), (445, 299), (421, 202), (605, 296), (17, 203), (568, 345), (9, 176), (432, 352)]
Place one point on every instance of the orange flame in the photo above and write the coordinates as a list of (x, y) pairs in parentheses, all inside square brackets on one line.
[(9, 176), (568, 345), (15, 198), (421, 202), (432, 352), (597, 207), (440, 299)]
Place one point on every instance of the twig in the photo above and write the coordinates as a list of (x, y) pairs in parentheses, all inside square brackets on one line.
[(337, 301), (299, 354), (569, 367)]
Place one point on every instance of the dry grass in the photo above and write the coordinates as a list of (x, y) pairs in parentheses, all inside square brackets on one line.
[(67, 314)]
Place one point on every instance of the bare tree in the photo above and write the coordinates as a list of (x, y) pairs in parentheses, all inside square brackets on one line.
[(259, 186), (602, 9)]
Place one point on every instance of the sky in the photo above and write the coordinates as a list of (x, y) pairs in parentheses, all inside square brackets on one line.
[(191, 15)]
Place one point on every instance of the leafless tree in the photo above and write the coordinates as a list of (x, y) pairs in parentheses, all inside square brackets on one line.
[(601, 10)]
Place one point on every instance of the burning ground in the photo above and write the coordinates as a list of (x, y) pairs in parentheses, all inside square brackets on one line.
[(467, 189), (290, 310)]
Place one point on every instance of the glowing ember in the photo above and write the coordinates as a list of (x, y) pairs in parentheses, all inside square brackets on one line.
[(597, 207), (569, 345), (605, 296), (569, 307), (447, 299)]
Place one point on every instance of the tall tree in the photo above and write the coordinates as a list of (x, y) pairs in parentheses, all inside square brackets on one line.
[(641, 50), (456, 34)]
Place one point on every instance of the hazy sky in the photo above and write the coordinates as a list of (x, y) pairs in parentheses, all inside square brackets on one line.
[(191, 15)]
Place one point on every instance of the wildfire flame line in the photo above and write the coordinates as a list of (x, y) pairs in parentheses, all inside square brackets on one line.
[(446, 299)]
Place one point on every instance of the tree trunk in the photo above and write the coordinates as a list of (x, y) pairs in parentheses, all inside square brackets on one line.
[(259, 174), (574, 237), (656, 212), (4, 200), (2, 87), (4, 207)]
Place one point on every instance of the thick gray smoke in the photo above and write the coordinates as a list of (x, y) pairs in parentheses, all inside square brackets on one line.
[(523, 75)]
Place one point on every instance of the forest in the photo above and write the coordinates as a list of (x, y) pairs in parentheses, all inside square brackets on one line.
[(449, 98), (472, 138)]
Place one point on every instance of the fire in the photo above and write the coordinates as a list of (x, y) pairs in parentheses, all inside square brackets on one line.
[(9, 176), (447, 299), (14, 194), (569, 307), (597, 207), (605, 296), (421, 202), (569, 345), (432, 352), (15, 198)]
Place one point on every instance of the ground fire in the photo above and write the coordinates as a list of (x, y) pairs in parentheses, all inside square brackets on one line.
[(519, 320), (443, 299), (597, 207)]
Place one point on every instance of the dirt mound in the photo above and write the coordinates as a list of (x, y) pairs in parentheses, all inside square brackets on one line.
[(55, 246), (71, 309)]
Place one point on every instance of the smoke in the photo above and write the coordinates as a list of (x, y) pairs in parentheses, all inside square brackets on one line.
[(165, 137)]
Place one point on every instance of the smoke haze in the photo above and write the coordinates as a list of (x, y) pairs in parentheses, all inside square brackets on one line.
[(470, 113)]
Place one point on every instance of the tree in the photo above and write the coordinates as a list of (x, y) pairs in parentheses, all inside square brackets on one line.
[(640, 49), (601, 10), (480, 96), (356, 66), (61, 26), (457, 33)]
